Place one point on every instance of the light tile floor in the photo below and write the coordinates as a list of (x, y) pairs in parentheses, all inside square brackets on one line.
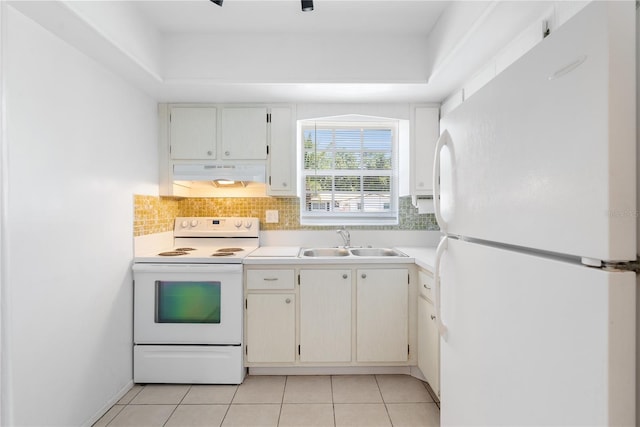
[(294, 401)]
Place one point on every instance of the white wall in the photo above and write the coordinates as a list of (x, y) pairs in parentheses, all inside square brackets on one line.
[(245, 58), (80, 142)]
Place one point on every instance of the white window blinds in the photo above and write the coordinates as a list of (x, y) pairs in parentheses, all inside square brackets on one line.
[(348, 173)]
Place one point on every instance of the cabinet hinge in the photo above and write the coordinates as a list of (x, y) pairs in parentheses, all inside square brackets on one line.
[(246, 349), (408, 279), (269, 179), (545, 29), (298, 274), (268, 117), (267, 150), (408, 349), (633, 266), (298, 350), (246, 304)]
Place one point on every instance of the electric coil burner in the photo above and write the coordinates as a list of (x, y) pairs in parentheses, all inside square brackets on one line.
[(188, 305)]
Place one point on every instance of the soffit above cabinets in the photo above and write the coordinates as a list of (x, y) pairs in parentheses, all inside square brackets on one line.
[(270, 51)]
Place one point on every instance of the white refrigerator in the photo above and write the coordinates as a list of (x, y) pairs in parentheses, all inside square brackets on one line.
[(535, 195)]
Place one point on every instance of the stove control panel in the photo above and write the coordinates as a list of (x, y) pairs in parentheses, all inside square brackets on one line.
[(216, 227)]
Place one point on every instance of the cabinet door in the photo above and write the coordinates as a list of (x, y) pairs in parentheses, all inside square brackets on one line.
[(382, 315), (428, 344), (271, 327), (192, 133), (425, 134), (244, 133), (282, 153), (325, 315)]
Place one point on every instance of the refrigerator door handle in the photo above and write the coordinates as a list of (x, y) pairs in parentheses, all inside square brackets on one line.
[(442, 329), (444, 139)]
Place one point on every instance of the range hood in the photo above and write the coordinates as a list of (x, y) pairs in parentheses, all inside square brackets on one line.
[(220, 172)]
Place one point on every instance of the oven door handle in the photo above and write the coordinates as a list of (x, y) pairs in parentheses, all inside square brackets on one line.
[(187, 268)]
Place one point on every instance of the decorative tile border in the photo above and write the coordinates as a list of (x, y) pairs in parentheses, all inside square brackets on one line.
[(156, 214)]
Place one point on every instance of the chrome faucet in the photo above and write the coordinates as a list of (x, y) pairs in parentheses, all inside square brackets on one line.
[(346, 237)]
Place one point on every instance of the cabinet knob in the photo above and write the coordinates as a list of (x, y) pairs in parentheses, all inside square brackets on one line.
[(284, 184), (425, 286), (288, 300), (209, 153), (364, 276), (433, 317), (344, 276), (421, 184), (226, 153)]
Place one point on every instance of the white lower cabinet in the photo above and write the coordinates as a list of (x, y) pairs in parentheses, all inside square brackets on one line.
[(382, 315), (428, 335), (325, 315), (271, 327)]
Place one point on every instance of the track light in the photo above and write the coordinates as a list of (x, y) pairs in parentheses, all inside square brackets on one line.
[(307, 5)]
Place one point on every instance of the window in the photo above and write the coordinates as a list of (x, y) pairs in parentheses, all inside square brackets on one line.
[(348, 172)]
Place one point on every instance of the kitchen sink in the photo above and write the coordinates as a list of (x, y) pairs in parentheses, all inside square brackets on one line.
[(376, 252), (342, 252), (325, 252)]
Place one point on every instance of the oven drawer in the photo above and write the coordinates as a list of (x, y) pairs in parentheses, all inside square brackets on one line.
[(188, 364), (270, 279)]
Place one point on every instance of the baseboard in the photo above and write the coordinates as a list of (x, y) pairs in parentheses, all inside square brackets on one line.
[(119, 395), (330, 370)]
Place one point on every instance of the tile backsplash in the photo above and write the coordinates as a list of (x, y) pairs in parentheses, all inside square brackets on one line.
[(154, 214)]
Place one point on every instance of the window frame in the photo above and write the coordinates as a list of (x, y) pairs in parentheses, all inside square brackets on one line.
[(330, 218)]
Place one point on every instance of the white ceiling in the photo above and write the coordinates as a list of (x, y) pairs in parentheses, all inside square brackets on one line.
[(373, 51), (285, 16)]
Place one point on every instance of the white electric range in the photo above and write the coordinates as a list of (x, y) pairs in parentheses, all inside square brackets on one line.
[(188, 303)]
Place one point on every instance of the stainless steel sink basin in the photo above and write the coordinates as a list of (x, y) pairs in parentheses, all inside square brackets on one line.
[(376, 252), (343, 252), (325, 252)]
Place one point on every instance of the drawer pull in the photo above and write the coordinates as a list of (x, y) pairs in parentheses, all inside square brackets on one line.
[(344, 276), (288, 300), (364, 276), (433, 317), (425, 286), (270, 279)]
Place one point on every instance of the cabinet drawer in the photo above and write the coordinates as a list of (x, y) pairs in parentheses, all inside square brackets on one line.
[(270, 279), (425, 282)]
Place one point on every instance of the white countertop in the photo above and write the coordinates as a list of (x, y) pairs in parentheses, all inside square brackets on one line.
[(422, 256)]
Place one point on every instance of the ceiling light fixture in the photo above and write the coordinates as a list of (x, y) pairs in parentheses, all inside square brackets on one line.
[(218, 2), (307, 5)]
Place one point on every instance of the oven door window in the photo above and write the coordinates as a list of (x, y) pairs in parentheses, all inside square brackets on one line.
[(187, 302)]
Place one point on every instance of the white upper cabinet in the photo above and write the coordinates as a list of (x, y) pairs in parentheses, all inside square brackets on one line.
[(424, 135), (282, 153), (244, 133), (192, 133)]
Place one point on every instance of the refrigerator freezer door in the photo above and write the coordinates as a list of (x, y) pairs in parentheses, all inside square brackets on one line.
[(543, 156), (535, 341)]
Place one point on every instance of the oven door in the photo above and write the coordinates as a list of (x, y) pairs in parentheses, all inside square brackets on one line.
[(188, 304)]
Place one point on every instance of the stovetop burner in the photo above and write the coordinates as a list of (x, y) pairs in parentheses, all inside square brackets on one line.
[(206, 240), (172, 253)]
